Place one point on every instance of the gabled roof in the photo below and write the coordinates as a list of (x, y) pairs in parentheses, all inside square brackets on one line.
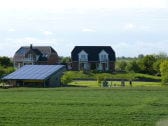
[(44, 50), (93, 52), (36, 51), (33, 72)]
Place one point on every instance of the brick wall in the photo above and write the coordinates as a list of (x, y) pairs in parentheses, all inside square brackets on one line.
[(112, 66), (74, 65), (52, 59)]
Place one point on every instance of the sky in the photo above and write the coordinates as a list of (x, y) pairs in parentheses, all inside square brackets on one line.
[(130, 27)]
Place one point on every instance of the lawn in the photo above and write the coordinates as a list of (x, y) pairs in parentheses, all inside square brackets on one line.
[(114, 83), (122, 106)]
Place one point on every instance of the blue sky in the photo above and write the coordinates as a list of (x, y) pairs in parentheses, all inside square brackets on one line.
[(131, 27)]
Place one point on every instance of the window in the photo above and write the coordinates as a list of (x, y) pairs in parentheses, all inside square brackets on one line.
[(30, 56), (103, 57), (83, 56)]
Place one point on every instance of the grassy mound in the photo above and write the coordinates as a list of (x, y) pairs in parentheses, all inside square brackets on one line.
[(126, 76)]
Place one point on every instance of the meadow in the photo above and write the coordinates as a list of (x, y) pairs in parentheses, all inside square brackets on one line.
[(95, 84), (74, 106)]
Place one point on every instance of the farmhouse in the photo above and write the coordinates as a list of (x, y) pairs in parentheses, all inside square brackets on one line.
[(26, 55), (93, 58), (36, 76)]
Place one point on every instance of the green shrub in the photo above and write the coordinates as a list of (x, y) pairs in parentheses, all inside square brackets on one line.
[(101, 76), (164, 71), (66, 78), (99, 80)]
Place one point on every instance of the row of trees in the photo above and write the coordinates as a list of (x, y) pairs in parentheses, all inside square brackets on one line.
[(149, 64)]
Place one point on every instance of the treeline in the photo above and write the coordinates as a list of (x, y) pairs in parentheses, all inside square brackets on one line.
[(6, 66), (146, 64), (154, 64)]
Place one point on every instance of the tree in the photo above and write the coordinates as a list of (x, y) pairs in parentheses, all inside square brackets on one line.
[(147, 64), (65, 59), (164, 71), (140, 56), (122, 65), (159, 59), (133, 66), (5, 61), (2, 71), (156, 66), (162, 55)]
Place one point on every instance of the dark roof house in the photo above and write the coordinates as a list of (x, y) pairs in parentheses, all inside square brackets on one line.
[(37, 75), (93, 58), (35, 55)]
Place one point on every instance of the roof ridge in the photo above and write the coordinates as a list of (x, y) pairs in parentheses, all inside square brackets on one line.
[(36, 46), (93, 46)]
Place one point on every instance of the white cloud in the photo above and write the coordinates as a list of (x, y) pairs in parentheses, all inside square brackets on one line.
[(88, 30), (25, 41), (145, 28), (129, 27), (139, 47), (11, 30), (62, 47), (84, 16), (81, 4), (47, 33), (135, 27)]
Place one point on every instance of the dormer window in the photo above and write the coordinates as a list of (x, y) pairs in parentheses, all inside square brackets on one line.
[(83, 56), (103, 56)]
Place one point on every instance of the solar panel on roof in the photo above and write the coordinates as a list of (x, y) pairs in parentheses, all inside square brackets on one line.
[(34, 72)]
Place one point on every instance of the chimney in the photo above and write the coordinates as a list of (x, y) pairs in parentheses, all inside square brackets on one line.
[(31, 46)]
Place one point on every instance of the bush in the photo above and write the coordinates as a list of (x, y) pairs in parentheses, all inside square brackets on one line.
[(100, 79), (66, 78), (164, 71)]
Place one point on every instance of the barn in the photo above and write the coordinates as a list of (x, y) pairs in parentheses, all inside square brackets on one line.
[(36, 76)]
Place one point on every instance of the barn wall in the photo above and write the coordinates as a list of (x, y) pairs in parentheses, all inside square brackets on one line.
[(55, 79), (12, 82)]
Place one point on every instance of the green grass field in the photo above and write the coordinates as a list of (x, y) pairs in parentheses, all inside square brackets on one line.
[(122, 106), (116, 83)]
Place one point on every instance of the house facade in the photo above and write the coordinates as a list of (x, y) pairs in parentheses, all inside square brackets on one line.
[(100, 58), (33, 55)]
